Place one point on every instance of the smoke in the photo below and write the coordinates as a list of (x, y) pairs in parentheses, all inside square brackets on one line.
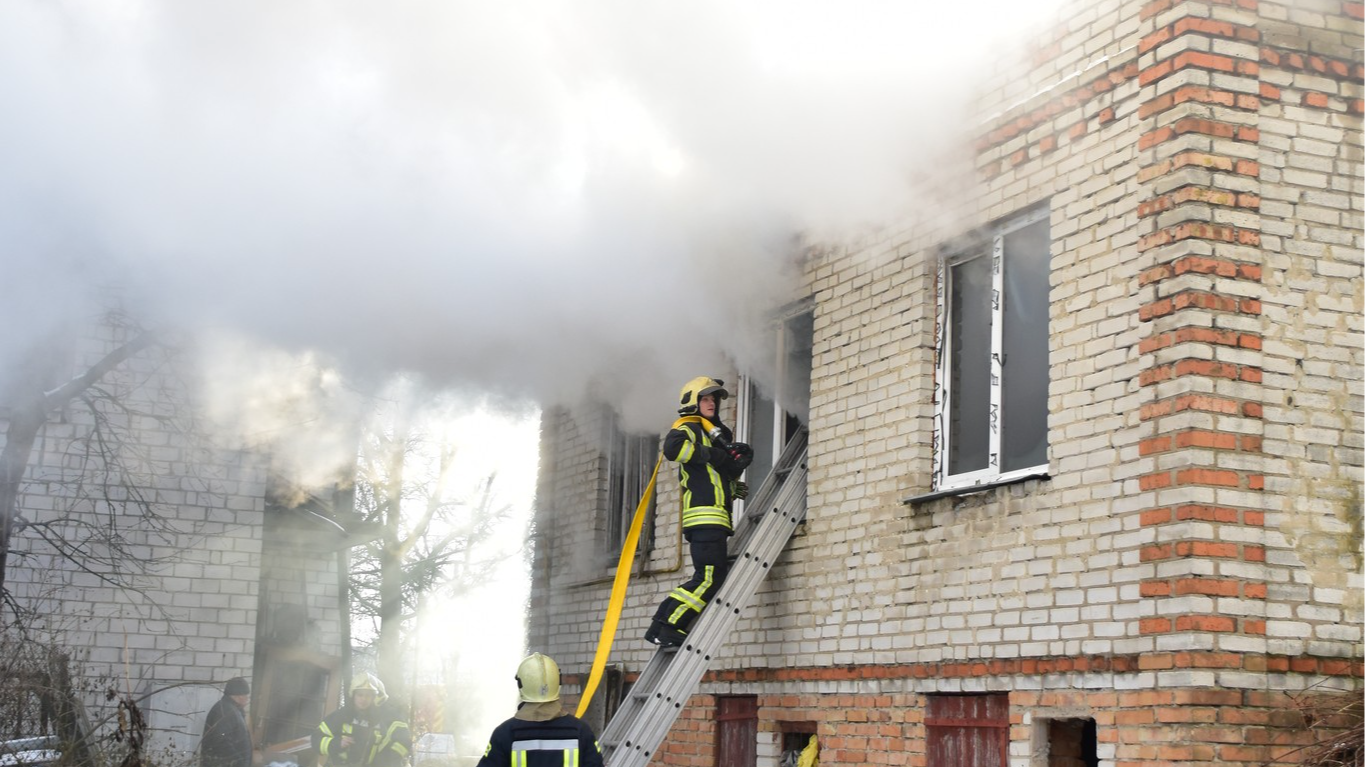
[(549, 201)]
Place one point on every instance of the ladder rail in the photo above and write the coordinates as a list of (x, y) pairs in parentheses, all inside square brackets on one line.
[(793, 454), (669, 679)]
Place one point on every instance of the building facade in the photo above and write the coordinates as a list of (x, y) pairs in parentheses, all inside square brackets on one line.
[(162, 561), (1085, 451)]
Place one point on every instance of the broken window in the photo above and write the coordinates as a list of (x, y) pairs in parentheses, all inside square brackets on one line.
[(991, 398), (774, 401), (630, 461)]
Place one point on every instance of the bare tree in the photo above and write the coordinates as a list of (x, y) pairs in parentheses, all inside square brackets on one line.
[(30, 406), (425, 541)]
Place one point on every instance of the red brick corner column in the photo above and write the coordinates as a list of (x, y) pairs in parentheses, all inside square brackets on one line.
[(1203, 602)]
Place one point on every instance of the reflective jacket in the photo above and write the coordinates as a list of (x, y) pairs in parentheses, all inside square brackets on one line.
[(565, 741), (381, 739), (707, 474)]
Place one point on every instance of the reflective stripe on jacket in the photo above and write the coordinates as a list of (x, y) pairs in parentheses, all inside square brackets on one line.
[(565, 741), (707, 493)]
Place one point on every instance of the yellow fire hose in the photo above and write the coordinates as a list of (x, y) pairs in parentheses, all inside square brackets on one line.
[(622, 579)]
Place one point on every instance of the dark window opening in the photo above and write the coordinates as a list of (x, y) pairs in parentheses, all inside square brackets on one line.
[(795, 741), (630, 461), (298, 700), (772, 417), (1072, 743)]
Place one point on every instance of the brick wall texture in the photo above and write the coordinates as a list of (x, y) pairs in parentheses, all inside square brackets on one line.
[(184, 619), (1193, 562)]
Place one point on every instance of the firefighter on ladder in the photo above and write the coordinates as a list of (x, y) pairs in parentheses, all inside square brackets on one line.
[(709, 468)]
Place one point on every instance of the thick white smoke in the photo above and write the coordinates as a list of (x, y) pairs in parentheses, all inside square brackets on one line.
[(541, 199)]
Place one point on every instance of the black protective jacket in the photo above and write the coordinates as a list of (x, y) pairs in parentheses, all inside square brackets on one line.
[(227, 741), (707, 472), (381, 738), (564, 740)]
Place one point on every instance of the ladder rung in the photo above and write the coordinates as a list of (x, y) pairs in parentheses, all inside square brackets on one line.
[(668, 681)]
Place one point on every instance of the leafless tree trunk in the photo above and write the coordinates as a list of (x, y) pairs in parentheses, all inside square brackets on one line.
[(28, 413), (419, 548)]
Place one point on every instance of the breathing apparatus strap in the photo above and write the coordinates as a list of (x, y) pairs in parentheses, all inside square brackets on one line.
[(622, 578)]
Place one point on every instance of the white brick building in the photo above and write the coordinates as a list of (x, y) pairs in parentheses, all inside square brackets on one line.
[(222, 583), (1131, 536)]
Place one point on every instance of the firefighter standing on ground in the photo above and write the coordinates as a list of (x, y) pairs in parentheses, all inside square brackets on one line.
[(540, 734), (365, 732), (709, 471)]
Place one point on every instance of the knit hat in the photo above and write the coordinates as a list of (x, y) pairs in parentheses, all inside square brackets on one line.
[(237, 686)]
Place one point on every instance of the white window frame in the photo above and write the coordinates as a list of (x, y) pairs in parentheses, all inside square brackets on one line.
[(943, 343)]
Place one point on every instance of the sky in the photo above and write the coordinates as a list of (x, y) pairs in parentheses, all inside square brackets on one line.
[(527, 202)]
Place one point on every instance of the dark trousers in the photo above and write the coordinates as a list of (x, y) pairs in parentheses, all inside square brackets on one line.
[(710, 564)]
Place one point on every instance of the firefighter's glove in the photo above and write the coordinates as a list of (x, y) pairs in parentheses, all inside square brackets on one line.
[(742, 454), (724, 462), (741, 490)]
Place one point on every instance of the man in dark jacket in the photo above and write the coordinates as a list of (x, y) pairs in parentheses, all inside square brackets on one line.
[(540, 734), (709, 468), (227, 741), (365, 732)]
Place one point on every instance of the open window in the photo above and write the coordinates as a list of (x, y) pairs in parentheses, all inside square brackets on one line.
[(992, 343), (630, 460), (774, 402), (1070, 742)]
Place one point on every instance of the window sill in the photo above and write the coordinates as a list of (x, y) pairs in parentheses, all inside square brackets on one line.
[(917, 500)]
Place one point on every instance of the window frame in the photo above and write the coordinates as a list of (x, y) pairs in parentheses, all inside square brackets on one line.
[(990, 243), (783, 424), (635, 455)]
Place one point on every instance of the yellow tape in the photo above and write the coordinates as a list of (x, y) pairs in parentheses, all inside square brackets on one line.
[(622, 579)]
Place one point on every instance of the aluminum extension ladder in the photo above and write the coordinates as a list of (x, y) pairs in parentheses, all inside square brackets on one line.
[(663, 688)]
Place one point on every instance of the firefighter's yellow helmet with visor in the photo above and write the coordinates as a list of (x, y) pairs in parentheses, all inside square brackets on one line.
[(538, 679), (699, 387)]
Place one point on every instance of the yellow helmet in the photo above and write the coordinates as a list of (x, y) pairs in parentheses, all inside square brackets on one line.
[(699, 387), (369, 682), (538, 679)]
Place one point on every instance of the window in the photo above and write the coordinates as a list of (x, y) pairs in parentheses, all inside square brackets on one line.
[(968, 730), (992, 342), (630, 461), (775, 403), (1070, 743)]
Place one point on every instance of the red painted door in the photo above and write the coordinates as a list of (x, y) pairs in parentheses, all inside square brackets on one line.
[(968, 730), (737, 731)]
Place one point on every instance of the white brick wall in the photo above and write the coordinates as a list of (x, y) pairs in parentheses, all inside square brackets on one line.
[(188, 616), (1053, 568)]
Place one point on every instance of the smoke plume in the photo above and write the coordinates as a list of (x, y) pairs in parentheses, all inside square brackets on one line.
[(544, 200)]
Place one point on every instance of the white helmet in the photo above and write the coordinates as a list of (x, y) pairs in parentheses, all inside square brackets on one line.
[(368, 681), (538, 679)]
